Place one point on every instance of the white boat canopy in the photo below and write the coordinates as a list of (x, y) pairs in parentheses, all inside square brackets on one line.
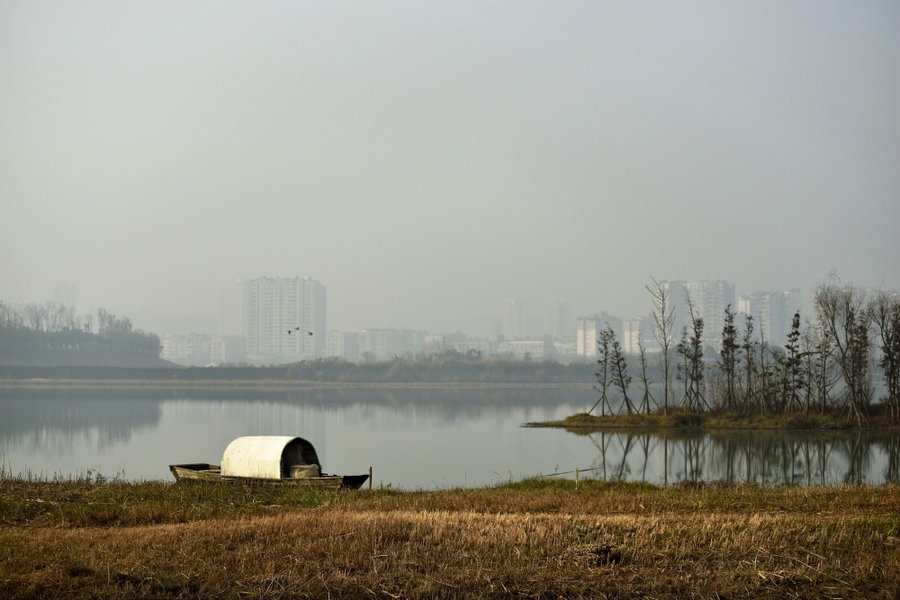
[(266, 456)]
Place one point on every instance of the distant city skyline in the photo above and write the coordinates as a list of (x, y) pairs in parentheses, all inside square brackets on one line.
[(539, 324), (270, 307)]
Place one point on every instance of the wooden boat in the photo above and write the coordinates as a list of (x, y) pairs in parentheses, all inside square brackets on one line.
[(268, 459)]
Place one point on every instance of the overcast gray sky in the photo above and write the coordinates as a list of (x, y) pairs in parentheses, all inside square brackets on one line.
[(427, 160)]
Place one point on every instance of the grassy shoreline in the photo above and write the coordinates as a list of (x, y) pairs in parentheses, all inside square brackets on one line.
[(535, 538), (718, 421)]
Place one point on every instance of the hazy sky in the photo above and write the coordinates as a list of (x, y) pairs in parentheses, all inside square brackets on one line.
[(427, 160)]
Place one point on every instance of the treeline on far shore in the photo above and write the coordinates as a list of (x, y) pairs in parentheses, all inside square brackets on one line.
[(445, 369), (52, 334)]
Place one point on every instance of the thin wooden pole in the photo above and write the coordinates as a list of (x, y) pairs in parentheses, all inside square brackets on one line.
[(577, 473), (370, 478)]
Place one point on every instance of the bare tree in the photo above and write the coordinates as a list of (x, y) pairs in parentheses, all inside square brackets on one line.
[(645, 382), (885, 311), (818, 360), (38, 316), (663, 326), (841, 310), (682, 350)]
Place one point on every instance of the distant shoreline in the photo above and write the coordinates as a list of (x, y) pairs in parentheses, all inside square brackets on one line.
[(263, 384), (303, 375)]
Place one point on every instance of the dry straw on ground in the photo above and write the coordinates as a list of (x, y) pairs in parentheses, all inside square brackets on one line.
[(529, 540)]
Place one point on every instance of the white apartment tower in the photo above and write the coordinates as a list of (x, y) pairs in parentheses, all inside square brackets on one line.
[(589, 329), (709, 299), (772, 313), (283, 318)]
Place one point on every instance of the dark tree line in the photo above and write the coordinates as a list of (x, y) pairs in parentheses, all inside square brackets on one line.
[(51, 333)]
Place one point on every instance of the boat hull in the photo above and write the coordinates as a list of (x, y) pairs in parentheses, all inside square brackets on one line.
[(208, 472)]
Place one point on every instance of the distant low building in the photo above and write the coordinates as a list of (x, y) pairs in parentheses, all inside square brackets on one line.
[(387, 344), (201, 350), (343, 345), (526, 349)]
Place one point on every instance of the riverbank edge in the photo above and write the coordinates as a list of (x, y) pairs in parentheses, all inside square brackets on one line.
[(679, 421)]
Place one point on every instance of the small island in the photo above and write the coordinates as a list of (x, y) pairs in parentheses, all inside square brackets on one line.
[(825, 376), (682, 420)]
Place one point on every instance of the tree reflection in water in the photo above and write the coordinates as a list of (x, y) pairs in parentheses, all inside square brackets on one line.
[(764, 457)]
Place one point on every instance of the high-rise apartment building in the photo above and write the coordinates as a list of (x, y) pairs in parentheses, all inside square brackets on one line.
[(516, 320), (387, 344), (283, 318), (709, 299), (557, 323), (638, 332), (588, 332), (772, 313)]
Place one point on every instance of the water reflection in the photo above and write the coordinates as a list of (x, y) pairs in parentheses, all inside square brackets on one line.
[(413, 437), (764, 457), (55, 425), (64, 417)]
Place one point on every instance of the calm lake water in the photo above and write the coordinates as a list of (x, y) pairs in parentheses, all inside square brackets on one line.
[(413, 438)]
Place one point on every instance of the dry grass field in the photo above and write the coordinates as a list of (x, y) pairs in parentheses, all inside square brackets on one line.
[(533, 539)]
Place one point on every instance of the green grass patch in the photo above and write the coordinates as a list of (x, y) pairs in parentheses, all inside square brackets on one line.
[(88, 503)]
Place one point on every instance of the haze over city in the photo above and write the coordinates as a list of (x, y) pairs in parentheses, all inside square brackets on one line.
[(427, 161)]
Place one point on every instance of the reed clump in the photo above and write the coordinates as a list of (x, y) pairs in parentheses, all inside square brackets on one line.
[(535, 538)]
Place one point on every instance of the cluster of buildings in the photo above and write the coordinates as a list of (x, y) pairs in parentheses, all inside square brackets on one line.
[(772, 313), (283, 319)]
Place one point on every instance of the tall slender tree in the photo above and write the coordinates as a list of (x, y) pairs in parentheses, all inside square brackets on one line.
[(695, 373), (885, 311), (728, 357), (749, 348), (620, 375), (647, 396), (603, 375), (663, 328), (793, 381)]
